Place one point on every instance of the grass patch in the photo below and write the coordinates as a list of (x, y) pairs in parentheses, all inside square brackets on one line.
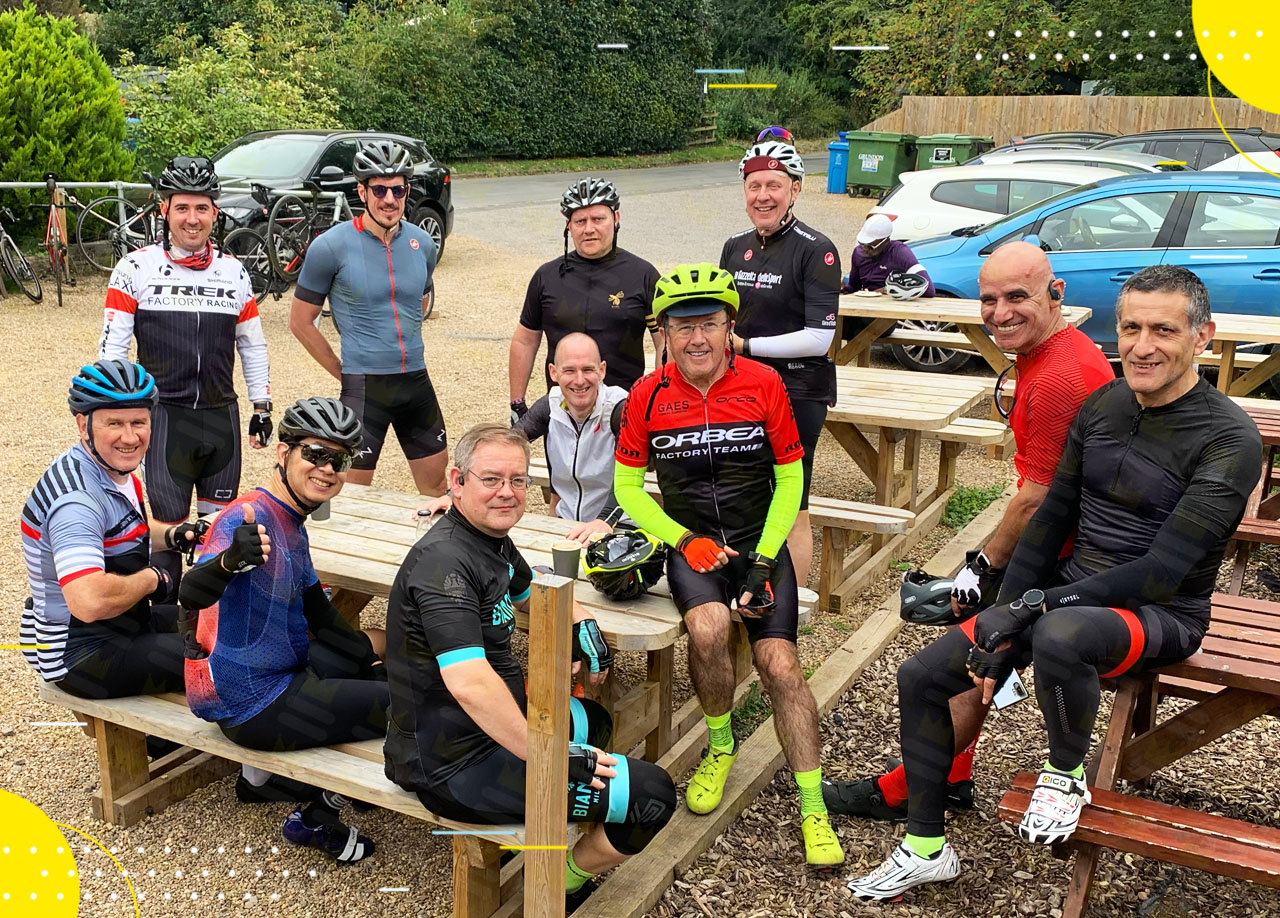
[(806, 629), (967, 502), (751, 712), (488, 168), (842, 627)]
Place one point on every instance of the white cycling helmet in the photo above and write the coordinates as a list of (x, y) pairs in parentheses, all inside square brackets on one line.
[(773, 156), (902, 286)]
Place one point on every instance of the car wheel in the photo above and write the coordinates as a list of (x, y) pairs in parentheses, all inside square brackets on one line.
[(429, 219), (926, 358)]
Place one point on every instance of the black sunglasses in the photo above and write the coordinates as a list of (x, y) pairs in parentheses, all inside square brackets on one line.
[(338, 459), (998, 396), (397, 191)]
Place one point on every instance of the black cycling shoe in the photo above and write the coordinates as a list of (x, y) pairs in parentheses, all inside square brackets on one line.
[(860, 798), (574, 899), (960, 794)]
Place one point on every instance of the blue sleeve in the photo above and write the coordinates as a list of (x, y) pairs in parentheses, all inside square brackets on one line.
[(318, 269), (447, 602)]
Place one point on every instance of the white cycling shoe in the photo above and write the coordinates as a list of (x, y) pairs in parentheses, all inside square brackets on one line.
[(905, 869), (1054, 811)]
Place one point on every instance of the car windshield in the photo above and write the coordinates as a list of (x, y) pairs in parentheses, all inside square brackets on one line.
[(264, 158), (1013, 218)]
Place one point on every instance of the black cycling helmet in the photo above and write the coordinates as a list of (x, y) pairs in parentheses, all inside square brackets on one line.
[(112, 384), (586, 192), (903, 286), (381, 158), (322, 418), (189, 175), (625, 564), (926, 600)]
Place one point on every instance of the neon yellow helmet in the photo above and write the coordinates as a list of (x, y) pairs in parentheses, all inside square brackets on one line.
[(695, 290)]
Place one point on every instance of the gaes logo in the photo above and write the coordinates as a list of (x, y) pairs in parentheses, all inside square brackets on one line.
[(615, 299)]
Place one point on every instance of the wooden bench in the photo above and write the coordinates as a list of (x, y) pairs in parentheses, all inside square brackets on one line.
[(920, 337), (836, 518), (969, 432), (132, 787)]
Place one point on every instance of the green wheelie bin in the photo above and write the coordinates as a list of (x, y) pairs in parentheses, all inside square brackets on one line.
[(877, 158), (939, 150)]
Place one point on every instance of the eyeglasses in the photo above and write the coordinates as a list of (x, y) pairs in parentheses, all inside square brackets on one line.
[(495, 482), (775, 132), (681, 332), (998, 396), (380, 191), (338, 459)]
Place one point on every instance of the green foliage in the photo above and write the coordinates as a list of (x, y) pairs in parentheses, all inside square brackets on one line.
[(523, 77), (967, 502), (60, 107), (215, 93), (752, 711), (798, 103), (1127, 76)]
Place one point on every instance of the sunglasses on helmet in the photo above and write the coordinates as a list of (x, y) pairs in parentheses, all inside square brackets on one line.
[(774, 133), (339, 460), (397, 191)]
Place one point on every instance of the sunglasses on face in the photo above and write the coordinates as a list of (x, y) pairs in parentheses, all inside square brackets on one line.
[(338, 459), (397, 191)]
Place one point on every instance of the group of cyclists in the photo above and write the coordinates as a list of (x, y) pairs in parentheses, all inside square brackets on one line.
[(1128, 490)]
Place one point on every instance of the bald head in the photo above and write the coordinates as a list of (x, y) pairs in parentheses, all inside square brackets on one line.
[(576, 347), (578, 370), (1021, 299)]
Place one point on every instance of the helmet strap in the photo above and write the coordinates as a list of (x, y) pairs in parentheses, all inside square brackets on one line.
[(565, 267), (93, 450), (304, 506)]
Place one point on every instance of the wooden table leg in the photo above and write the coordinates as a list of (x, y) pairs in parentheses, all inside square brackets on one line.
[(661, 668), (986, 348), (835, 544), (122, 766), (1255, 377), (477, 877), (910, 472), (858, 350), (1227, 366), (350, 604)]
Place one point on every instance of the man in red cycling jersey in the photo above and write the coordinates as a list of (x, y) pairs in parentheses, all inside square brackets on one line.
[(723, 440), (1058, 367)]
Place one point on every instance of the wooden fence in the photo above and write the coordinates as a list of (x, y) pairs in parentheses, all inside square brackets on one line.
[(1006, 117)]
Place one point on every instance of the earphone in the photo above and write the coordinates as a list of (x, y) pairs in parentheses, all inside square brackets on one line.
[(1053, 293)]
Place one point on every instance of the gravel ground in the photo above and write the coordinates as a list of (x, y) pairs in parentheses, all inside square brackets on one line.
[(210, 856)]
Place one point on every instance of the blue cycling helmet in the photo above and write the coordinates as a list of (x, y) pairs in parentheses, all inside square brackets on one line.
[(112, 384)]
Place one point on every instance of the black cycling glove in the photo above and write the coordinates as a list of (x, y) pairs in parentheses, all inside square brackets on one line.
[(590, 647), (164, 586), (582, 763), (998, 624), (187, 537), (245, 551), (757, 584), (518, 410), (260, 424)]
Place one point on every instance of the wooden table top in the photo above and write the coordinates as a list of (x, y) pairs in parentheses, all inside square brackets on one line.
[(1266, 414), (876, 397), (932, 309), (1242, 648), (1234, 326)]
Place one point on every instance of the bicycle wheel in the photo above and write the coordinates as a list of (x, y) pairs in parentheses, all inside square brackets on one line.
[(110, 228), (17, 267), (288, 235), (251, 249)]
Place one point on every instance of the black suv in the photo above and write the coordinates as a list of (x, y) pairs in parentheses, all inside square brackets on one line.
[(285, 159), (1199, 148)]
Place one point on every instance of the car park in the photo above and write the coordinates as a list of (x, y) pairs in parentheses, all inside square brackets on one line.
[(1199, 148), (1127, 163), (1257, 163), (936, 201), (1224, 226), (283, 160), (1057, 140)]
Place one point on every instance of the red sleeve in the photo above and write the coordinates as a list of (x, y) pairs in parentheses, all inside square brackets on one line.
[(633, 435), (780, 424), (120, 301), (1052, 404), (248, 311)]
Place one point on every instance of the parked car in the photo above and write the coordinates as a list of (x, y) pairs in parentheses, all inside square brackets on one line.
[(1128, 163), (1250, 162), (937, 201), (1199, 148), (284, 159), (1224, 226), (1057, 139)]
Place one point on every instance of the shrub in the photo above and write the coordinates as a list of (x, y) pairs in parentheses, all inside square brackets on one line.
[(60, 107), (797, 103)]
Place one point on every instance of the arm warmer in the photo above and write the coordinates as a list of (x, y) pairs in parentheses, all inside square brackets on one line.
[(782, 509), (645, 512), (807, 342), (536, 421), (204, 584)]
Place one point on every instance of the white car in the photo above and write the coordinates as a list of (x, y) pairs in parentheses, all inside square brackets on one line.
[(1239, 163), (1130, 163), (937, 201)]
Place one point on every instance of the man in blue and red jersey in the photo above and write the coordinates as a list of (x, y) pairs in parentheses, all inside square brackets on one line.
[(723, 440), (1058, 367), (376, 272)]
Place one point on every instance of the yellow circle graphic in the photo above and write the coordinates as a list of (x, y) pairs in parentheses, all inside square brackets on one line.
[(1240, 42), (38, 874)]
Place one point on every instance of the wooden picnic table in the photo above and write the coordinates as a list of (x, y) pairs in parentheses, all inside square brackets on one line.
[(885, 312), (1233, 329), (359, 548)]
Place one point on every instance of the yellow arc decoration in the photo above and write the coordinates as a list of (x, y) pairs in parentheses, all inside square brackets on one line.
[(1240, 42), (38, 873)]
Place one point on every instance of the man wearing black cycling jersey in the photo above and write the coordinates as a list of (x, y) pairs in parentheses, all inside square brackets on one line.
[(192, 309), (597, 289), (788, 277), (720, 433), (1153, 481)]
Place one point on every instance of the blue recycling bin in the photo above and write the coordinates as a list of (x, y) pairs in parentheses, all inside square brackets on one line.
[(837, 167)]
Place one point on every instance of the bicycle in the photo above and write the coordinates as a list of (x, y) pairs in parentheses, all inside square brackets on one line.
[(294, 224), (55, 236), (15, 264), (111, 227)]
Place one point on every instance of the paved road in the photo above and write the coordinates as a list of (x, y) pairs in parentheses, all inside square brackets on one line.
[(519, 190)]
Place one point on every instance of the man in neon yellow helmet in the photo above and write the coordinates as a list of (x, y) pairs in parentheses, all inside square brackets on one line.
[(721, 434)]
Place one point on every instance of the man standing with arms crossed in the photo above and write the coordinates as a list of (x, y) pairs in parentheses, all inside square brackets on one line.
[(724, 443), (376, 272), (1058, 367)]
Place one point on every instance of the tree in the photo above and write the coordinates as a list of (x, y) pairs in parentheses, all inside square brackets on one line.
[(60, 107)]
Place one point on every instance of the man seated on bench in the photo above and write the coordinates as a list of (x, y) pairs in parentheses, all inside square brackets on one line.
[(87, 542), (579, 420), (251, 667), (1154, 479), (1058, 366), (458, 730)]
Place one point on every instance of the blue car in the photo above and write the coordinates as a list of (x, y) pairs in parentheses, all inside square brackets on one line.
[(1224, 226)]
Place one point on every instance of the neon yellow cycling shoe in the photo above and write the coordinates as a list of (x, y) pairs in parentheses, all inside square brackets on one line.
[(706, 787), (821, 847)]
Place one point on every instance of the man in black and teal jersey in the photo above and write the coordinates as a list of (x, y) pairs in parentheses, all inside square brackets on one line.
[(721, 435)]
